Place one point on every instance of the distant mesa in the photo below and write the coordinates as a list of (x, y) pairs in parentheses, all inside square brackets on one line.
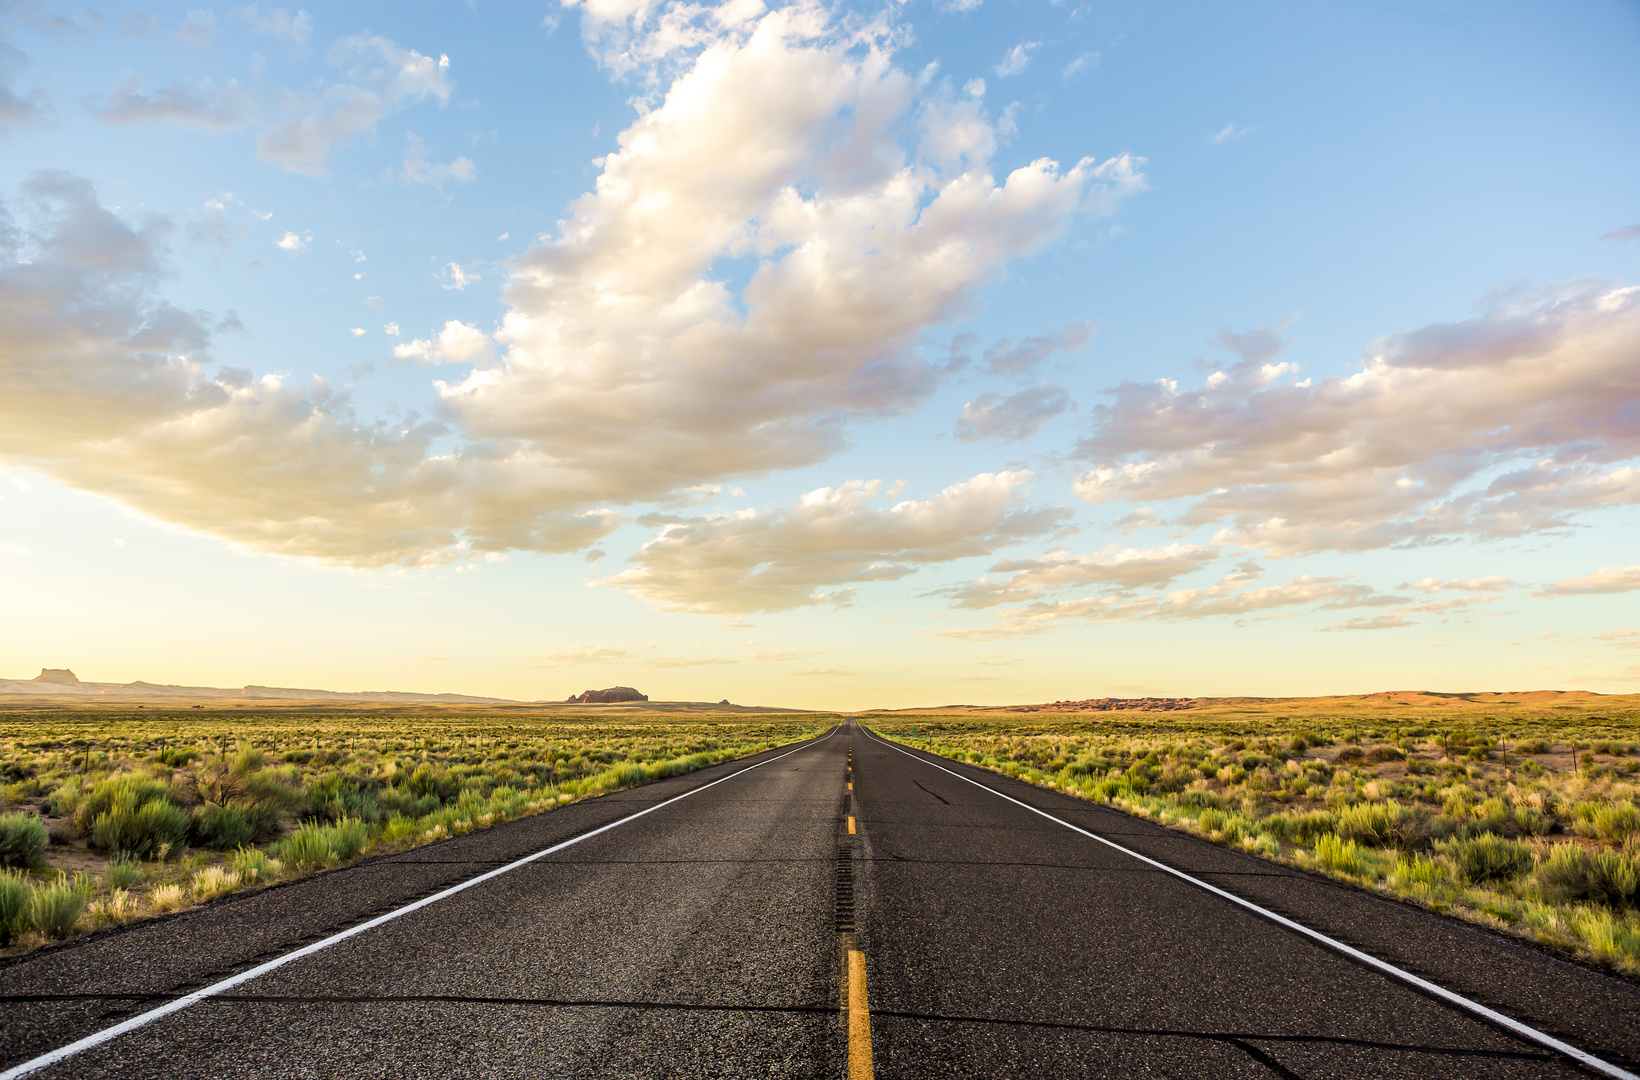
[(725, 701), (1144, 704), (604, 697), (61, 684)]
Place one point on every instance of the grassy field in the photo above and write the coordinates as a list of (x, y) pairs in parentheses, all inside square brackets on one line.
[(1521, 812), (108, 813)]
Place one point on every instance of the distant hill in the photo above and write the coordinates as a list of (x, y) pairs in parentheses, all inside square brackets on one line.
[(63, 682)]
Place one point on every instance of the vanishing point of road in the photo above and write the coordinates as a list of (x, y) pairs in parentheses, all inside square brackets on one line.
[(839, 907)]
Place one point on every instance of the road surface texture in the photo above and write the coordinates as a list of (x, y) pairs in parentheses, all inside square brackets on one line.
[(713, 936)]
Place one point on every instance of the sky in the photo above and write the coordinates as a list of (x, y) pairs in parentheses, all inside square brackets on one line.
[(829, 356)]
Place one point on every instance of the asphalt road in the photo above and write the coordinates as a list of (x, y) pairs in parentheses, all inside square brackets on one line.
[(703, 940)]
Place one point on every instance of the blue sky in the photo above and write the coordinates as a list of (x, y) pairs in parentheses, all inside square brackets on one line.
[(832, 356)]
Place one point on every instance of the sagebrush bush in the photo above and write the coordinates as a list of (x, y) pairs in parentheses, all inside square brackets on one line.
[(1386, 824), (150, 829), (222, 827), (1487, 857), (1612, 822), (22, 840), (127, 790), (122, 873)]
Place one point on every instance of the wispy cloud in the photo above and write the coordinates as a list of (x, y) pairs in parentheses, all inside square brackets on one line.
[(1230, 133), (1084, 63), (1609, 580), (1017, 60), (278, 22)]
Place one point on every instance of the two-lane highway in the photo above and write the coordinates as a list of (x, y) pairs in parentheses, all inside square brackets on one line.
[(697, 940), (723, 924), (1000, 942)]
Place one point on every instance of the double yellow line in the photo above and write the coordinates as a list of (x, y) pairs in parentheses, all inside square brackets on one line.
[(857, 1009)]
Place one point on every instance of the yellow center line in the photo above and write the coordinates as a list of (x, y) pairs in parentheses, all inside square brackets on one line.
[(851, 824), (851, 785), (859, 1019)]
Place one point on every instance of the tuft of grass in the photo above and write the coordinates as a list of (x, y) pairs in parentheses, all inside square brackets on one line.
[(167, 897), (14, 905), (55, 907), (253, 865), (22, 840), (1336, 853), (117, 907), (315, 845), (214, 881)]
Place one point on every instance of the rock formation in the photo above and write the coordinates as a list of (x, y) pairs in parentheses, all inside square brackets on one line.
[(61, 676), (1144, 704), (614, 693)]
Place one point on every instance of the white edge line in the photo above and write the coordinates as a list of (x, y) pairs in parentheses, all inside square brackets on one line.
[(142, 1019), (1509, 1023)]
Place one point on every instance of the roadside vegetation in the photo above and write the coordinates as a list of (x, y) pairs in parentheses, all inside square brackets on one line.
[(107, 817), (1525, 819)]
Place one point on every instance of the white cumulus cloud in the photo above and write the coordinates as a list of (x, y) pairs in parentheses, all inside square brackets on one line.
[(833, 538), (865, 198), (457, 343)]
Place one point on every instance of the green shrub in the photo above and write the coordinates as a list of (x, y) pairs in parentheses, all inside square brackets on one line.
[(1301, 828), (1570, 874), (153, 828), (222, 827), (1532, 746), (128, 791), (1203, 800), (122, 874), (335, 796), (177, 757), (1386, 824), (14, 905), (22, 840), (1611, 822), (56, 907), (1532, 823), (1487, 857), (1612, 878)]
